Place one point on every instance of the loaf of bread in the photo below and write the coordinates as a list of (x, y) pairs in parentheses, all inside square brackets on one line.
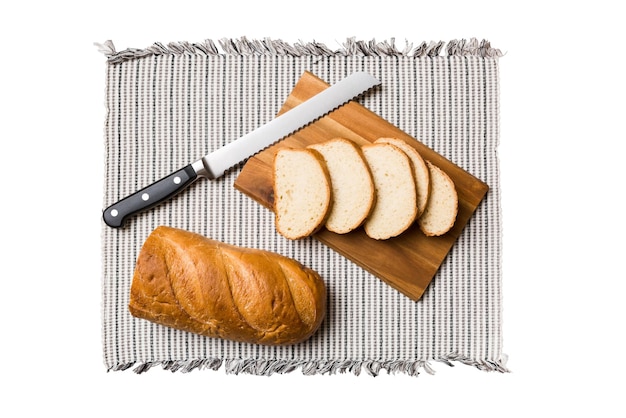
[(302, 192), (351, 184), (186, 281)]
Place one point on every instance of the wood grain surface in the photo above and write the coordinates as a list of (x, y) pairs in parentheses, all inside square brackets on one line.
[(409, 262)]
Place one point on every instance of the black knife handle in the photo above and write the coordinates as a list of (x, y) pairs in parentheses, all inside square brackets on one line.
[(115, 215)]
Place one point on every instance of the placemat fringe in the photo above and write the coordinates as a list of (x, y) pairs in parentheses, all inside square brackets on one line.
[(267, 367), (267, 46), (484, 365)]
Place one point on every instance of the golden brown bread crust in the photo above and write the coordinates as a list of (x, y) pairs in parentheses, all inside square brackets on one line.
[(189, 282)]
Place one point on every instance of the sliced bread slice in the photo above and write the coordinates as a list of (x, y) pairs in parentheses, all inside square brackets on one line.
[(420, 170), (351, 184), (395, 208), (302, 193), (443, 203)]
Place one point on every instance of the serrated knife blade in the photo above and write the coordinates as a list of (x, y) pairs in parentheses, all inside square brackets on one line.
[(215, 164)]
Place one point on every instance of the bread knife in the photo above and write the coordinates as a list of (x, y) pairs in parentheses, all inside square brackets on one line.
[(215, 164)]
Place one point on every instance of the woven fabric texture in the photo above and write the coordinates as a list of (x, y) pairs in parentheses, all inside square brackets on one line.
[(168, 106)]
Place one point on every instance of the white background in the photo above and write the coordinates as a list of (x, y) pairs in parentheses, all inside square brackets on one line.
[(561, 153)]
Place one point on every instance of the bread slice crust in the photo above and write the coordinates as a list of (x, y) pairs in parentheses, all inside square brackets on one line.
[(352, 186), (443, 204), (420, 170), (302, 192), (395, 208)]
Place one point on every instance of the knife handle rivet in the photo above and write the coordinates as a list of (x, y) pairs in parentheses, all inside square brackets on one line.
[(114, 213), (145, 197), (177, 180)]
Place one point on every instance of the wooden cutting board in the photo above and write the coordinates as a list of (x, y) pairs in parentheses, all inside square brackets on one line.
[(408, 262)]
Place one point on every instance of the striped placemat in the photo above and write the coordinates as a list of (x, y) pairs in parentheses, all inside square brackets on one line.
[(168, 105)]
